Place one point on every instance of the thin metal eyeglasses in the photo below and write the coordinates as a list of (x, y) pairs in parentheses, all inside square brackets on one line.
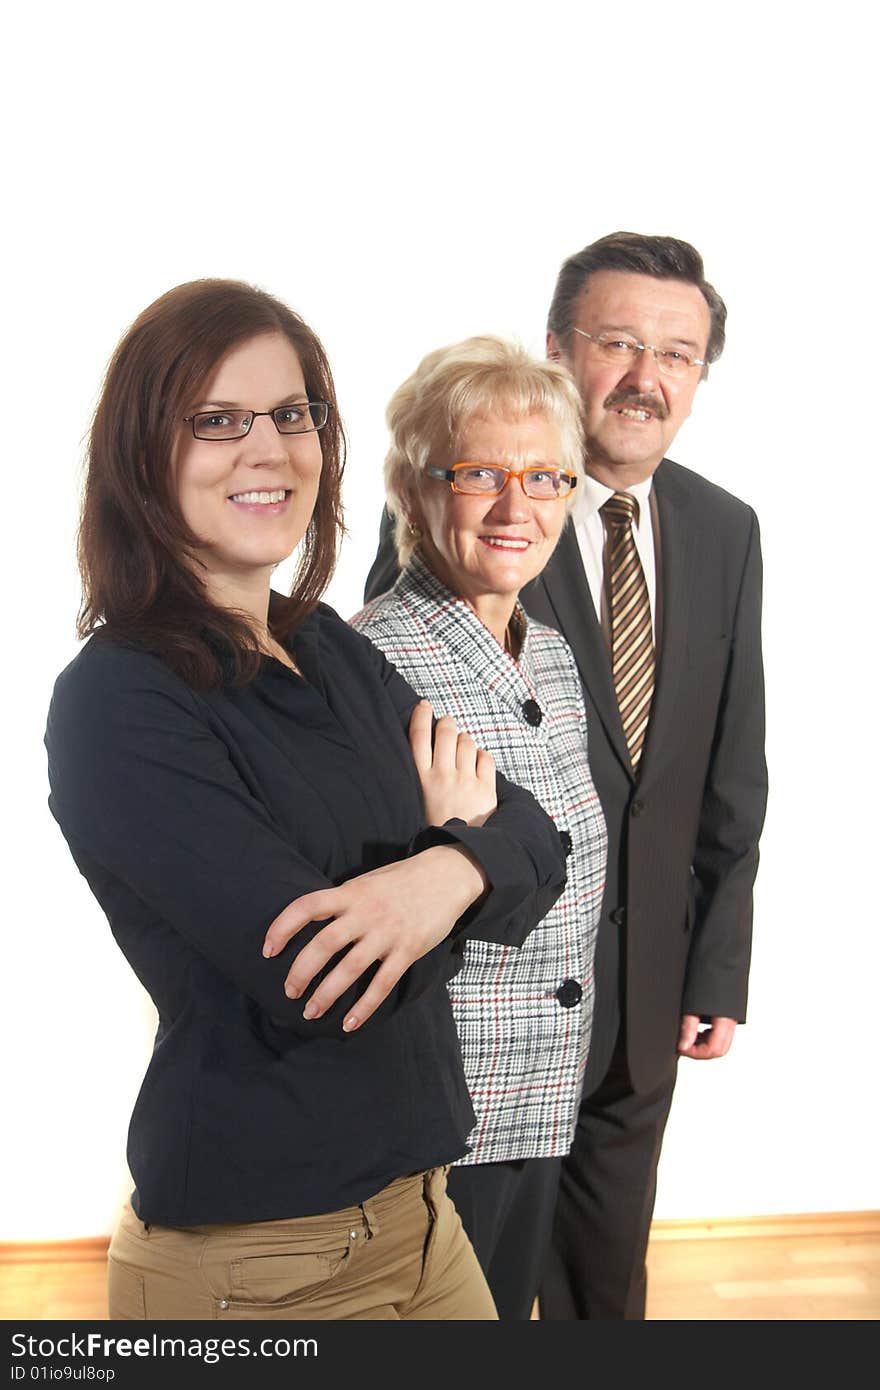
[(490, 480), (300, 418), (617, 347)]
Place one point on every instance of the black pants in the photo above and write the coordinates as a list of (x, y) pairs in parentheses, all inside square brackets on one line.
[(596, 1264), (507, 1210)]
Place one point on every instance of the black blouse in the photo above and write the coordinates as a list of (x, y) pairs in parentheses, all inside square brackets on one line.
[(196, 817)]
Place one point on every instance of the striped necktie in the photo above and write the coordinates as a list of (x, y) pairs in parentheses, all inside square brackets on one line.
[(632, 641)]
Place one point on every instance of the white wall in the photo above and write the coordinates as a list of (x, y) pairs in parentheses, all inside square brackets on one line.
[(403, 178)]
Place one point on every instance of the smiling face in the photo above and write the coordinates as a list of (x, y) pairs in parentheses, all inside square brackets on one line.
[(633, 412), (486, 548), (248, 500)]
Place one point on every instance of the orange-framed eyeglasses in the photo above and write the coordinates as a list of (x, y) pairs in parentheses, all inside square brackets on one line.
[(490, 479)]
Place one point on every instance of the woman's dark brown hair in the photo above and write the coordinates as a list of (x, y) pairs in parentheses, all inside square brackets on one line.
[(138, 584)]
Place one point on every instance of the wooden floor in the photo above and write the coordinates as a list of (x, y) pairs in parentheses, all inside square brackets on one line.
[(816, 1274), (794, 1268)]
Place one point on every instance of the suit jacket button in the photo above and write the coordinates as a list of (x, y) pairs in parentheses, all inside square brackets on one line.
[(618, 916), (566, 842), (531, 713), (637, 808), (569, 993)]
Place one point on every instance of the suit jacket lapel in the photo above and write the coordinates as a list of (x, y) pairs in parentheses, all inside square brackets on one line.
[(565, 584), (458, 635), (676, 564)]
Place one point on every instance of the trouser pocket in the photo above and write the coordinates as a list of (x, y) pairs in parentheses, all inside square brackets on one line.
[(268, 1269)]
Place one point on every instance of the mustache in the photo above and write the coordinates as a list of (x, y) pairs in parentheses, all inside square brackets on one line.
[(637, 401)]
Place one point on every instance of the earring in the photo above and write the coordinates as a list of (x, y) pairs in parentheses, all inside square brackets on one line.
[(414, 531)]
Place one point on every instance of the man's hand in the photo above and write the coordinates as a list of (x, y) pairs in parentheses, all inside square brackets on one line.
[(457, 777), (708, 1042), (388, 917)]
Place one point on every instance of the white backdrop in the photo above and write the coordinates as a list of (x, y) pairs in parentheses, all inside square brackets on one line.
[(404, 177)]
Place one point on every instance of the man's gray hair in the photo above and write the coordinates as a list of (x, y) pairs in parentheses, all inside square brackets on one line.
[(663, 257)]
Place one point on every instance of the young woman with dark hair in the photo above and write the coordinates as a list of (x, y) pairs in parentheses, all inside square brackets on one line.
[(286, 856)]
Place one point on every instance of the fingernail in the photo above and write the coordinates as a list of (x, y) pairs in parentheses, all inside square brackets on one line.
[(267, 950), (350, 1024), (291, 991), (311, 1011)]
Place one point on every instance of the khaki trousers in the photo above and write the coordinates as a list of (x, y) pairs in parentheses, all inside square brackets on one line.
[(402, 1255)]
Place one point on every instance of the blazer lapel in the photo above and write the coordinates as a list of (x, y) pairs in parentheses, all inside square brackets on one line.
[(676, 564), (457, 632), (566, 587)]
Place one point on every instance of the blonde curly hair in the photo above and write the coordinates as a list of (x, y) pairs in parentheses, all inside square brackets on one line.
[(485, 375)]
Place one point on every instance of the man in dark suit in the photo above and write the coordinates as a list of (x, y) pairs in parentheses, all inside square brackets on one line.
[(677, 755)]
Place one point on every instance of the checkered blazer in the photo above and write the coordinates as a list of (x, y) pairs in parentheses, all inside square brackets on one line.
[(524, 1051)]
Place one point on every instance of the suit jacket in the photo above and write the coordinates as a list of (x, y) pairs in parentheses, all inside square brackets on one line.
[(523, 1013), (675, 931)]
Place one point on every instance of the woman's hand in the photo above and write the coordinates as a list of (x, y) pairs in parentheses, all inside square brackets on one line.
[(458, 779), (393, 915)]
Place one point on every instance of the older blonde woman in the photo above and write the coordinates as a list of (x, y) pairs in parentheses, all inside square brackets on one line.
[(485, 457)]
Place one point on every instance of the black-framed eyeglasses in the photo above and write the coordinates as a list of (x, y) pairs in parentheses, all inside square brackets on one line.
[(299, 418), (620, 348), (490, 480)]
